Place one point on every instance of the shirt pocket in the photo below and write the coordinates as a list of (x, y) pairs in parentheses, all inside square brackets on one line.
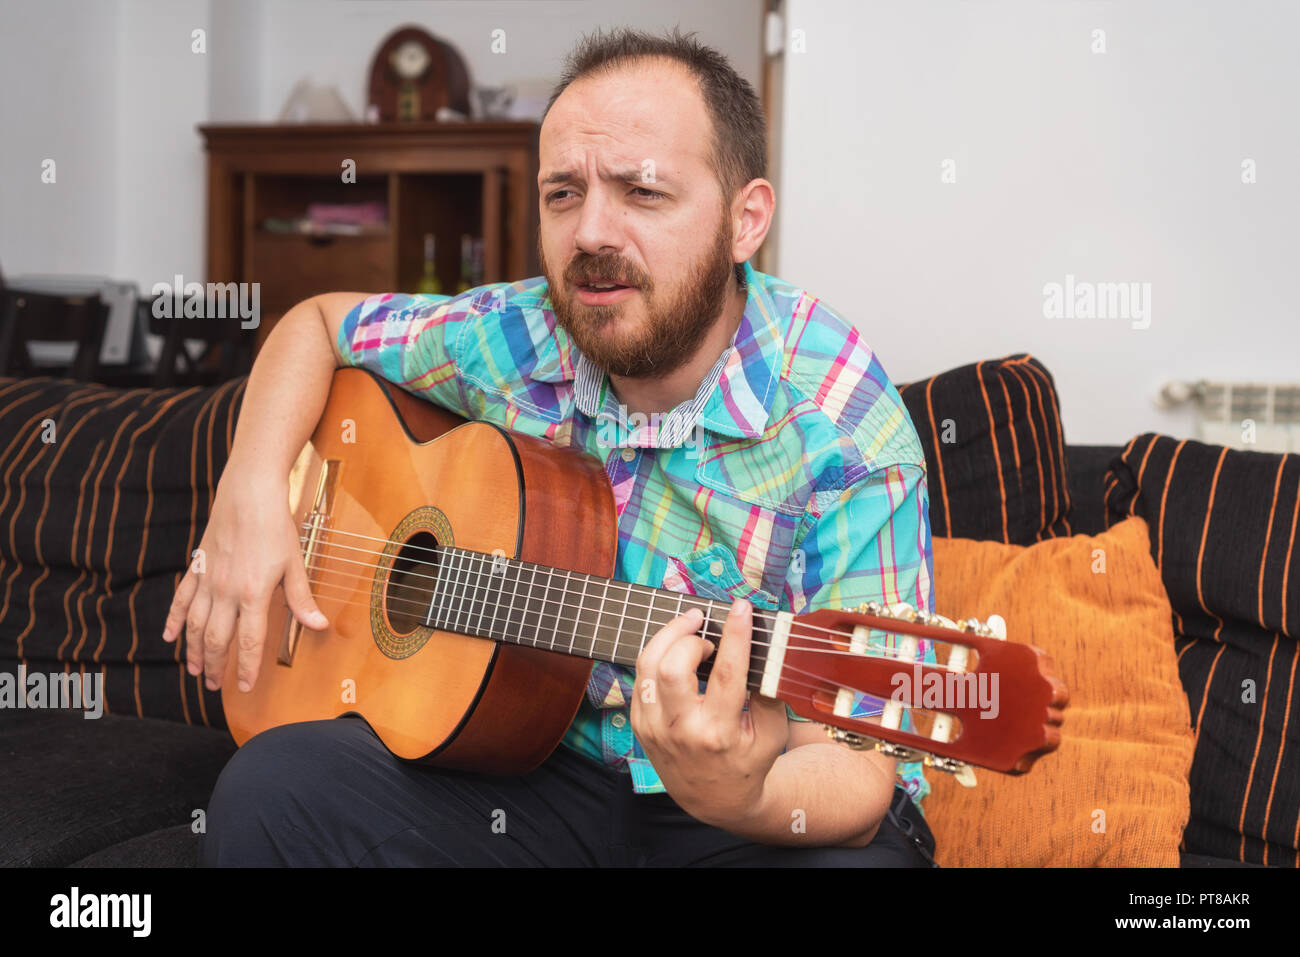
[(713, 572)]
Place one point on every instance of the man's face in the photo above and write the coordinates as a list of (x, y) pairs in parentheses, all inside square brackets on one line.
[(640, 206)]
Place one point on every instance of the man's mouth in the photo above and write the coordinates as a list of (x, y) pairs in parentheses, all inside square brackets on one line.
[(601, 286), (593, 293)]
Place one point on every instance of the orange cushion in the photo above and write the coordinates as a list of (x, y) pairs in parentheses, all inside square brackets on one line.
[(1115, 792)]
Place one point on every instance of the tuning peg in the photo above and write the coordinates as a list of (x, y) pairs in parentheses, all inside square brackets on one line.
[(902, 610), (960, 770), (996, 626), (899, 752)]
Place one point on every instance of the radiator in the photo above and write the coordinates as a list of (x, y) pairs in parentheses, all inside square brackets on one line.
[(1257, 417)]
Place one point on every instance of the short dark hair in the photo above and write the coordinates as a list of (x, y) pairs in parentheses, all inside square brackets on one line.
[(739, 151)]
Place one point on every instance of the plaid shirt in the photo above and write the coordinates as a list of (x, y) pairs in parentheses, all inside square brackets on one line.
[(794, 478)]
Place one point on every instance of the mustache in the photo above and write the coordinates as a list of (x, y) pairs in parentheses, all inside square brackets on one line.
[(607, 270)]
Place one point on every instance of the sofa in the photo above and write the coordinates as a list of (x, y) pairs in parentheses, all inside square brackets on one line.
[(104, 494)]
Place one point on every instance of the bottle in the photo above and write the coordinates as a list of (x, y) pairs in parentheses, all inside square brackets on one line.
[(429, 285), (466, 263), (476, 274)]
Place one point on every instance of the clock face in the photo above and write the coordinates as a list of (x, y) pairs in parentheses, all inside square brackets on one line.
[(410, 60)]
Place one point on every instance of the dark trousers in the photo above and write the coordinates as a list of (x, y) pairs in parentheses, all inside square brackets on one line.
[(328, 793)]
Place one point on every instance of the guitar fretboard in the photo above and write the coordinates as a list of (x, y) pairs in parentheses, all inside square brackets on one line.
[(570, 612)]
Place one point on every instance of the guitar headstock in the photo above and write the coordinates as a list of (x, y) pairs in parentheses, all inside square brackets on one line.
[(985, 702)]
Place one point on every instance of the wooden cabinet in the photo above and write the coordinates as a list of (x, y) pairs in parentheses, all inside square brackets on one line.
[(448, 179)]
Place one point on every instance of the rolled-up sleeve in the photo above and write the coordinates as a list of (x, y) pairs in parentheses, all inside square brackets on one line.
[(410, 341)]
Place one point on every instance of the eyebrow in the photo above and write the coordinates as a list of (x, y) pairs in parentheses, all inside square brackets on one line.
[(629, 175)]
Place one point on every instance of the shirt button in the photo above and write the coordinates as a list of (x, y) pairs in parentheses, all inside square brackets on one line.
[(629, 454), (618, 721), (715, 568)]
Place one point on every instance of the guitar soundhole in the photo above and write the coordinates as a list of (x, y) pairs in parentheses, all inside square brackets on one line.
[(404, 581), (410, 582)]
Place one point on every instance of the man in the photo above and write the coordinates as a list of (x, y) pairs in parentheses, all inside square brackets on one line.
[(757, 452)]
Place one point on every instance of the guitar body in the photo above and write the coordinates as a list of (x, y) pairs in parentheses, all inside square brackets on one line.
[(386, 471)]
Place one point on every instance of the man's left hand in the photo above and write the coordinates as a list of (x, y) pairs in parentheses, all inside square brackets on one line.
[(712, 755)]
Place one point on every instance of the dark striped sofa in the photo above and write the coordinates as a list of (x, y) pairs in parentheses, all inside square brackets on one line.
[(104, 494)]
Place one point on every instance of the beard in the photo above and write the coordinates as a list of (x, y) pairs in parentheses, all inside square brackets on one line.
[(675, 323)]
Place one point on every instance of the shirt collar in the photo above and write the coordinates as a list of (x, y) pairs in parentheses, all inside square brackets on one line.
[(734, 398)]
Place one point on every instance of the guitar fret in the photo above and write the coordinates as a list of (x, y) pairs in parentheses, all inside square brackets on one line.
[(437, 586), (492, 575), (595, 634), (645, 632), (622, 619), (509, 626), (560, 605), (537, 626), (486, 589), (577, 617), (467, 592), (471, 587), (546, 598), (525, 608), (446, 600), (448, 603), (458, 600)]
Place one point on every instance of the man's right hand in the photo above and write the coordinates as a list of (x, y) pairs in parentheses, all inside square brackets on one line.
[(250, 546)]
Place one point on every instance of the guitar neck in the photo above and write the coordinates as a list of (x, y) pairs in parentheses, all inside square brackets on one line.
[(572, 613)]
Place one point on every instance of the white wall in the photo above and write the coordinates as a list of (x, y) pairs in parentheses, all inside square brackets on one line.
[(58, 100), (162, 92), (1122, 166), (113, 92)]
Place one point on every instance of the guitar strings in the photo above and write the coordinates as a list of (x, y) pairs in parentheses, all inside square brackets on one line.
[(755, 672), (469, 559), (482, 559), (453, 626), (422, 604), (477, 561), (483, 556)]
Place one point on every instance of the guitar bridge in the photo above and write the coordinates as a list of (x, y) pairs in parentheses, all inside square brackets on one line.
[(316, 521)]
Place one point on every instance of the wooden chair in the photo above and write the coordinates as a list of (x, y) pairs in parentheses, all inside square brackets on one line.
[(227, 349), (40, 317)]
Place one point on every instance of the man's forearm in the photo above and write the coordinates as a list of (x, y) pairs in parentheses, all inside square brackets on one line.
[(819, 795), (286, 394)]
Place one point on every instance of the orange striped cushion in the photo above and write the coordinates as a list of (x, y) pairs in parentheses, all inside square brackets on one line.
[(1223, 532), (1115, 793), (994, 451)]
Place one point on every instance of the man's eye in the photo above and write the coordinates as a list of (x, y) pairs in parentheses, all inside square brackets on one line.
[(551, 198), (651, 193)]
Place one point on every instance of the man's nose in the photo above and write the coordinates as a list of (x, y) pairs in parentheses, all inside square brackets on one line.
[(598, 229)]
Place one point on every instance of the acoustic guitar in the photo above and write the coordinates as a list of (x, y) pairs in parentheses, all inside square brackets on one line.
[(465, 570)]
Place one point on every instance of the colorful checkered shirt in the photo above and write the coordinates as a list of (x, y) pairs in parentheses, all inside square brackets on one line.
[(794, 478)]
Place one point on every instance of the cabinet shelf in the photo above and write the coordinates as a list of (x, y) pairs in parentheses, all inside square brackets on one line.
[(448, 179)]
